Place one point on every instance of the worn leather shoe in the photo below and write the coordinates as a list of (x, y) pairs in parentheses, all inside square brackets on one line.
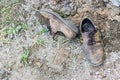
[(58, 24), (92, 42)]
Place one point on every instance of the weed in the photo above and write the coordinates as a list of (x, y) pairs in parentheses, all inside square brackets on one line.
[(8, 13), (40, 42), (24, 57), (62, 15), (13, 29), (24, 26), (42, 30), (37, 22)]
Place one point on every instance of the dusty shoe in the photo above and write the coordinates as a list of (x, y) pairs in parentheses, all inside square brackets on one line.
[(93, 46), (58, 24)]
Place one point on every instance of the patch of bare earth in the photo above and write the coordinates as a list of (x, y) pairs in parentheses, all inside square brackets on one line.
[(62, 59)]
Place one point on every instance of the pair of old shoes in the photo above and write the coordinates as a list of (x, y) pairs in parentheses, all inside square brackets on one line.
[(92, 42)]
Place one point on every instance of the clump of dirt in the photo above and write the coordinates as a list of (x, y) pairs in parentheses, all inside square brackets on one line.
[(62, 59)]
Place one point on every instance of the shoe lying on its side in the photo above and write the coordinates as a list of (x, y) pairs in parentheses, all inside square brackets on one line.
[(58, 24), (93, 46)]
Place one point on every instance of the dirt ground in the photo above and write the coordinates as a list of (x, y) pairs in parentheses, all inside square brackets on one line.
[(62, 59)]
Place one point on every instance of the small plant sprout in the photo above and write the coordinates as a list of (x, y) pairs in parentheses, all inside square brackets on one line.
[(24, 26), (42, 30), (40, 42), (13, 29), (24, 57)]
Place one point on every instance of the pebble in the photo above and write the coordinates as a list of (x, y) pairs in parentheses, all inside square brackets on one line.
[(109, 70), (100, 76), (102, 30), (11, 36), (38, 64), (97, 73)]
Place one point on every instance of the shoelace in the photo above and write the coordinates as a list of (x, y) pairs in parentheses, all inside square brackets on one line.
[(91, 40)]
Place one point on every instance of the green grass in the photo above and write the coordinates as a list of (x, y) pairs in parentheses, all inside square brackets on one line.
[(8, 14), (24, 26), (15, 28), (40, 42), (42, 30), (24, 57)]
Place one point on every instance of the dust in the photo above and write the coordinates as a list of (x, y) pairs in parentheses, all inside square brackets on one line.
[(62, 59)]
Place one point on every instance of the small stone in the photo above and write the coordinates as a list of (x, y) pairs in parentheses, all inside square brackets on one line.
[(97, 73), (100, 76), (102, 30), (30, 62), (53, 2), (38, 64), (11, 36), (109, 70)]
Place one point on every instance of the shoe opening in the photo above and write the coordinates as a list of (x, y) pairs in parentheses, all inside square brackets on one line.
[(87, 25)]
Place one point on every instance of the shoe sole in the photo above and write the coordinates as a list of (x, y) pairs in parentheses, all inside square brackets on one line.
[(67, 23)]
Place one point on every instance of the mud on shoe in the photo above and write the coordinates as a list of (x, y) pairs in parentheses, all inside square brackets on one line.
[(92, 42)]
